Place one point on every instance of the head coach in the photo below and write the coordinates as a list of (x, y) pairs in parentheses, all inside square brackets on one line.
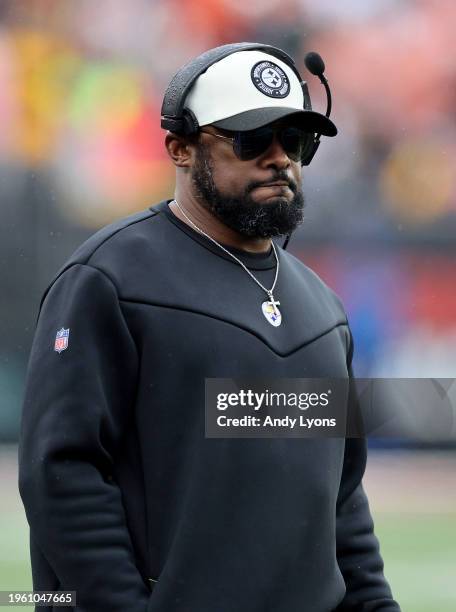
[(129, 504)]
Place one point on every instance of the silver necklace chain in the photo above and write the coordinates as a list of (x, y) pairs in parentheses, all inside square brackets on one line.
[(269, 292)]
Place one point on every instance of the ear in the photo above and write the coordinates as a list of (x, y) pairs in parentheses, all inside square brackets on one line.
[(180, 149)]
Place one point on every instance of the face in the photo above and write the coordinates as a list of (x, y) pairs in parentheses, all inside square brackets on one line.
[(242, 194)]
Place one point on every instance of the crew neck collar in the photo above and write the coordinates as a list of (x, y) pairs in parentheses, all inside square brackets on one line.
[(255, 261)]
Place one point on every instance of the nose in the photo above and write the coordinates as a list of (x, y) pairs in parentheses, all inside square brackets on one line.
[(275, 156)]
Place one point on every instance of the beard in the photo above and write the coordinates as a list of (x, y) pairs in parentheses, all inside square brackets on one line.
[(241, 213)]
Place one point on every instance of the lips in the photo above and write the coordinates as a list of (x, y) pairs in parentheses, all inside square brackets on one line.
[(276, 184)]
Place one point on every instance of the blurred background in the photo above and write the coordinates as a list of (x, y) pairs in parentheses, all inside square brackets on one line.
[(81, 145)]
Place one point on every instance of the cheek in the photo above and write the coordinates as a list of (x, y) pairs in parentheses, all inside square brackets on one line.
[(230, 177), (297, 173)]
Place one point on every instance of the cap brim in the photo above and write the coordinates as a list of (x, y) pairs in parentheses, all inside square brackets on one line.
[(252, 119)]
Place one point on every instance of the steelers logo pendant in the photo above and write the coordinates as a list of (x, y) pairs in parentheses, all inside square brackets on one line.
[(272, 313)]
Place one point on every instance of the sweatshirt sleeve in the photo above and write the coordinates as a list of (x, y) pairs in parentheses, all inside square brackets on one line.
[(358, 553), (77, 404), (357, 547)]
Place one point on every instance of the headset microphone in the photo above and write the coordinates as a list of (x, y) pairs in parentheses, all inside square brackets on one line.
[(315, 65)]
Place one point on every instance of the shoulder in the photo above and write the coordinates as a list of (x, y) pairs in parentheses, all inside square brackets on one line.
[(114, 247), (112, 239), (314, 285)]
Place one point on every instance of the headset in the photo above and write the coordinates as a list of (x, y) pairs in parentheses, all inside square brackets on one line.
[(182, 121)]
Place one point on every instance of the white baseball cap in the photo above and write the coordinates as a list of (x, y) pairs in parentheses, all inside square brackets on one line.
[(249, 89)]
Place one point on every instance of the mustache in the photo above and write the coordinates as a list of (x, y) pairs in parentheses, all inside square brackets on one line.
[(280, 176)]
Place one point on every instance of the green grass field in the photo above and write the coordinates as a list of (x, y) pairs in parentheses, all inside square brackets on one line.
[(420, 559), (419, 550)]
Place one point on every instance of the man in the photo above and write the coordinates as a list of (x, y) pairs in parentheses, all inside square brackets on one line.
[(129, 504)]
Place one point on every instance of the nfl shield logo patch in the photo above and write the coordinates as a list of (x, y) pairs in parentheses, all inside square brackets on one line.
[(61, 340)]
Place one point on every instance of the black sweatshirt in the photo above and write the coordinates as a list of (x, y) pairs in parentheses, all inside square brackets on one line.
[(129, 504)]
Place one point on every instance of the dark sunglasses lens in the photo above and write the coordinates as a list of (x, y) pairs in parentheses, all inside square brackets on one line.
[(295, 142), (252, 143)]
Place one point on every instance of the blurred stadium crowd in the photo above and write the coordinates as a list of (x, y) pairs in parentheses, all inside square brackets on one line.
[(81, 145)]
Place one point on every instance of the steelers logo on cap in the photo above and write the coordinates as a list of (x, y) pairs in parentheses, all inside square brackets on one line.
[(270, 79)]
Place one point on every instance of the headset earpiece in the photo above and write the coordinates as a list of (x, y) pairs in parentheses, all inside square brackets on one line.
[(313, 145), (185, 125), (190, 122), (172, 124), (306, 95)]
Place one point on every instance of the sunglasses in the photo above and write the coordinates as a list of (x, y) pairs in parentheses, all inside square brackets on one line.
[(250, 144)]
